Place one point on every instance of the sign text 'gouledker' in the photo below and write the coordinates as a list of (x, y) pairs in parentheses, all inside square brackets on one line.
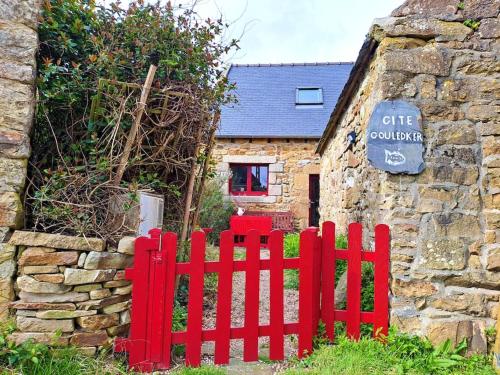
[(394, 138)]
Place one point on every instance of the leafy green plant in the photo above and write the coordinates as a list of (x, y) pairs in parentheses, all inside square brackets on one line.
[(291, 250), (179, 319), (473, 24), (320, 338), (491, 331), (461, 5), (398, 354), (215, 210), (22, 356)]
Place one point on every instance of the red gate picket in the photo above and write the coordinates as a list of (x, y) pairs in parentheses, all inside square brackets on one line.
[(155, 269)]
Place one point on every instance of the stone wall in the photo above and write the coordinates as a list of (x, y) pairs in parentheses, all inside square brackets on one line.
[(290, 164), (18, 43), (73, 285), (445, 222)]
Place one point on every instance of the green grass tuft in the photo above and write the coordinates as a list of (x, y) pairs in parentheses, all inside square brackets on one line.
[(401, 354)]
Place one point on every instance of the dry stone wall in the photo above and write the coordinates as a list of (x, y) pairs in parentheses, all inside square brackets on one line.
[(290, 164), (71, 285), (18, 45), (445, 222)]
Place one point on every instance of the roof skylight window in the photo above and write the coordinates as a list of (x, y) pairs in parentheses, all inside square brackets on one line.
[(309, 96)]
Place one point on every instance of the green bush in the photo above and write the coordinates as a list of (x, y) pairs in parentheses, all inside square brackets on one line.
[(215, 210), (399, 354), (84, 116), (291, 250)]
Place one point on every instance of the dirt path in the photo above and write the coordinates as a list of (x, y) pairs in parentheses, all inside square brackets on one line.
[(238, 312)]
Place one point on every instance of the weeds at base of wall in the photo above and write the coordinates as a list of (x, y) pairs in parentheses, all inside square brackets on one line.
[(397, 354)]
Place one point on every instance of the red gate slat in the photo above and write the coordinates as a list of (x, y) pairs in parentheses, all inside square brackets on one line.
[(354, 281), (306, 245), (195, 300), (169, 248), (381, 282), (328, 279), (276, 303), (316, 291), (224, 298), (251, 341)]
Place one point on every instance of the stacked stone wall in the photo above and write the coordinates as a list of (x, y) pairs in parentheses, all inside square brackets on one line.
[(72, 285), (290, 164), (18, 45), (445, 222)]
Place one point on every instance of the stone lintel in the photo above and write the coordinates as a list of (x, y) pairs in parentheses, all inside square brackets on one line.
[(249, 159)]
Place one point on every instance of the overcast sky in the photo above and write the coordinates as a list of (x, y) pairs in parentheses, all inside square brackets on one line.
[(276, 31)]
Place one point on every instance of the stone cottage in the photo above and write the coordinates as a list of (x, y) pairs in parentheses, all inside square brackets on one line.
[(445, 219), (265, 148)]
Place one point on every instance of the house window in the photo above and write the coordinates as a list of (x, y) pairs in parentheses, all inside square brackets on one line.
[(308, 96), (249, 179)]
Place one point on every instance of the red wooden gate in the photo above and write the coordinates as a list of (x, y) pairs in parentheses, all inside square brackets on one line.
[(155, 268)]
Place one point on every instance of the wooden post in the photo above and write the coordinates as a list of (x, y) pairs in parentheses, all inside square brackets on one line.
[(201, 184), (141, 106), (190, 189)]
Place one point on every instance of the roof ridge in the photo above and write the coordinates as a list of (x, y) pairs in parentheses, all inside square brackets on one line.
[(294, 64)]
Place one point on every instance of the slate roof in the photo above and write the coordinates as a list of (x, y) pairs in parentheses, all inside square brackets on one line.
[(266, 100)]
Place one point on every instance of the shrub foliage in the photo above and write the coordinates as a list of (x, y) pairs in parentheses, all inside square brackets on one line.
[(92, 63)]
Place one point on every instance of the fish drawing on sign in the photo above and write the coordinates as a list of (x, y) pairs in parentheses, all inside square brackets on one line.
[(394, 157)]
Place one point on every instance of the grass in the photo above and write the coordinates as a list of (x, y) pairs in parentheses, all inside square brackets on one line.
[(204, 370), (66, 361), (401, 354), (397, 354)]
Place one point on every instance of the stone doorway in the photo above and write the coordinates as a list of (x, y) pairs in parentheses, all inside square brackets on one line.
[(314, 200)]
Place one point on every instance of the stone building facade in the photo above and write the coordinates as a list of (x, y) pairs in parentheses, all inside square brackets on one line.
[(445, 221), (290, 165), (272, 130), (18, 43)]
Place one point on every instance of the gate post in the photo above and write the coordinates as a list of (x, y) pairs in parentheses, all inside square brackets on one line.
[(316, 291)]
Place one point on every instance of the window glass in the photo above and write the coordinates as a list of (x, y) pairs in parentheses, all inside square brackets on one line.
[(259, 178), (248, 179), (239, 179), (309, 96)]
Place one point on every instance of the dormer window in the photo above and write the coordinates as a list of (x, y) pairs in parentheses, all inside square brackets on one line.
[(309, 96)]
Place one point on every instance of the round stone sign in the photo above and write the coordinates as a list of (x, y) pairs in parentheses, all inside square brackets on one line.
[(395, 139)]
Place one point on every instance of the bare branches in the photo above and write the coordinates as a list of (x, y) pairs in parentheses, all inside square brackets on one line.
[(153, 141)]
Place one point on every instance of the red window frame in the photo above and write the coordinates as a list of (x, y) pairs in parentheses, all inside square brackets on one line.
[(249, 180)]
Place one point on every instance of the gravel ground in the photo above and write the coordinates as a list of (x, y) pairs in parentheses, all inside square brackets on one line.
[(238, 312)]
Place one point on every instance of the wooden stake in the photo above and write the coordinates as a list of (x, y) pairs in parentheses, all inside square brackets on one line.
[(189, 194), (201, 184), (135, 126)]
